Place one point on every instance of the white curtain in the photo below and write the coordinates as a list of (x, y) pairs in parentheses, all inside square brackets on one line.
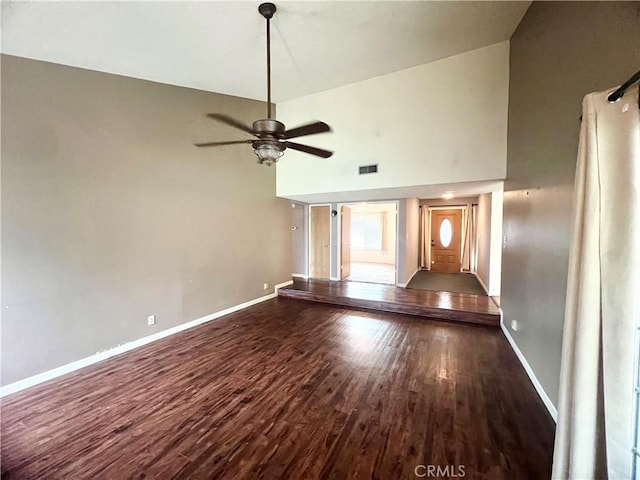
[(425, 237), (469, 235), (464, 257), (595, 410)]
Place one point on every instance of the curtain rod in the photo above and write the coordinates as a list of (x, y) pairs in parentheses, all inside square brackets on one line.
[(617, 95), (619, 92)]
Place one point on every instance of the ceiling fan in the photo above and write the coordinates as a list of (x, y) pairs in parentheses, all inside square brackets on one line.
[(272, 135)]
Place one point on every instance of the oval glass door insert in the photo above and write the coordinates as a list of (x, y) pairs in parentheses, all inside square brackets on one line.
[(446, 233)]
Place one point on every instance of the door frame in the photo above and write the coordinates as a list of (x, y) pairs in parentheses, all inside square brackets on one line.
[(339, 236), (311, 238), (430, 209)]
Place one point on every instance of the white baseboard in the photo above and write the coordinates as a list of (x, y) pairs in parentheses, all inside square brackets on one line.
[(98, 357), (484, 287), (532, 376), (404, 285), (335, 279), (300, 275), (282, 285)]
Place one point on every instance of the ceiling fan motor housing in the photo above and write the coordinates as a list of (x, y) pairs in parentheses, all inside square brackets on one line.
[(268, 127), (268, 147)]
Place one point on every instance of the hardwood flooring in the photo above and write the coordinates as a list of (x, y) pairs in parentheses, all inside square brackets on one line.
[(457, 307), (289, 390)]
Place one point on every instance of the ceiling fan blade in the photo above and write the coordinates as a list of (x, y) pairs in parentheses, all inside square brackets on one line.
[(310, 129), (217, 144), (319, 152), (231, 122)]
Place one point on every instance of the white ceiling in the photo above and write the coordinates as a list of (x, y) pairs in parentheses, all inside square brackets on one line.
[(220, 46)]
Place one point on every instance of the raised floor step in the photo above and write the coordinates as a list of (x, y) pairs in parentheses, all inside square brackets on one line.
[(460, 307)]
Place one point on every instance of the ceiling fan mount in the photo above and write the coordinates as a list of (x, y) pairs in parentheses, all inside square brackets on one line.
[(267, 10), (272, 135)]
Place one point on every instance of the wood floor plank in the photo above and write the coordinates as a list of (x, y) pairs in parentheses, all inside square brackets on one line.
[(288, 389), (458, 307)]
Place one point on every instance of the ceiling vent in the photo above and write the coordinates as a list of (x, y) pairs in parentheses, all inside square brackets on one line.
[(368, 169)]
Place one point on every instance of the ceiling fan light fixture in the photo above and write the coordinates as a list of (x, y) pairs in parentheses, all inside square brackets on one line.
[(268, 153)]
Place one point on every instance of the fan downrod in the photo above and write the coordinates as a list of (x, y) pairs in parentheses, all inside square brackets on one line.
[(267, 10), (272, 135)]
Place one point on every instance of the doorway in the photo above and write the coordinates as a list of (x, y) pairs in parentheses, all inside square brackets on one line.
[(448, 237), (446, 241), (368, 237), (319, 241)]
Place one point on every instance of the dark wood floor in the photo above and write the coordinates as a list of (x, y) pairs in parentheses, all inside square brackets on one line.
[(460, 307), (288, 389)]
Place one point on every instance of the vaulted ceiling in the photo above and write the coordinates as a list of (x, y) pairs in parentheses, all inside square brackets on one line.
[(220, 46)]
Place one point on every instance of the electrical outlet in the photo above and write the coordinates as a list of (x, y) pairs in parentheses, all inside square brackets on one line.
[(151, 320), (514, 325), (265, 286)]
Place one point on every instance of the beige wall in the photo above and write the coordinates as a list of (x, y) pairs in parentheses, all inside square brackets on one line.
[(408, 238), (412, 237), (484, 238), (489, 241), (299, 238), (109, 214), (559, 52), (495, 263)]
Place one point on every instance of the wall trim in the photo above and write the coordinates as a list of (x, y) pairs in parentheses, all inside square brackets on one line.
[(112, 352), (532, 376), (404, 285), (484, 287), (281, 285), (300, 275)]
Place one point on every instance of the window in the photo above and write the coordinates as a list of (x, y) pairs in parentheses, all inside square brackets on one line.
[(368, 230), (446, 233)]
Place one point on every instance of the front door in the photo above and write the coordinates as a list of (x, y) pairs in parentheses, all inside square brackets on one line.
[(319, 236), (446, 234)]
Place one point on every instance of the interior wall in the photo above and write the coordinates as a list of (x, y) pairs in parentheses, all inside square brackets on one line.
[(484, 239), (408, 239), (489, 267), (495, 263), (300, 238), (559, 52), (110, 214), (412, 237), (401, 266), (450, 112)]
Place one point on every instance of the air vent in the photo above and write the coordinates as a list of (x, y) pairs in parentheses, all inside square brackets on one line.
[(368, 169)]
